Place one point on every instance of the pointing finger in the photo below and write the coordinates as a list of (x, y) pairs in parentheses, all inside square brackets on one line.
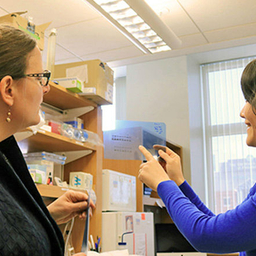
[(146, 153)]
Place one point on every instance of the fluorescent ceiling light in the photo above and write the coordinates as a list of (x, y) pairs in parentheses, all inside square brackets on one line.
[(139, 23)]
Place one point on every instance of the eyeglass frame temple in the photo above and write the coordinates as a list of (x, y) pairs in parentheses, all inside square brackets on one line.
[(46, 73)]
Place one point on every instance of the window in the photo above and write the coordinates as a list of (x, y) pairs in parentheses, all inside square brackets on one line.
[(230, 163), (226, 201), (109, 114)]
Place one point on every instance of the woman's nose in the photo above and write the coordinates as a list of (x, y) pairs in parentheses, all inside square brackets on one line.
[(242, 112)]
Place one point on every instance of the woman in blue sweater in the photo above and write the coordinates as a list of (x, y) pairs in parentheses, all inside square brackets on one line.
[(232, 231)]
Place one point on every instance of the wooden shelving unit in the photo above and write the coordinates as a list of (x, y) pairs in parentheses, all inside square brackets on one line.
[(131, 167), (53, 142), (50, 191), (88, 159), (148, 200)]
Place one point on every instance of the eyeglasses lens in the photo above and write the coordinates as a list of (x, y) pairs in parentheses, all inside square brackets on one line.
[(43, 81)]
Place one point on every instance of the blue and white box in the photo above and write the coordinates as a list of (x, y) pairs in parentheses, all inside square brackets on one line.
[(80, 180)]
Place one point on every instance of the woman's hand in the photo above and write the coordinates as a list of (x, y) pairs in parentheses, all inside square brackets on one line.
[(172, 165), (69, 205), (151, 173)]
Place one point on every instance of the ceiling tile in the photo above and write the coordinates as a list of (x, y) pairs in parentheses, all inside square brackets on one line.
[(192, 40), (174, 16), (59, 12), (61, 54), (117, 54), (231, 33), (3, 12), (69, 60), (218, 14), (91, 36)]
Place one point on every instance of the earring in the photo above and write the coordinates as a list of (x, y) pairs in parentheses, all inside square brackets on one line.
[(8, 119)]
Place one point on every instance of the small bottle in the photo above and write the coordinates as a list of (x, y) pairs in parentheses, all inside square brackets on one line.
[(31, 26)]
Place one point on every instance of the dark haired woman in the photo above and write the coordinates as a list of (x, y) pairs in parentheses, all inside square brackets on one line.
[(232, 231)]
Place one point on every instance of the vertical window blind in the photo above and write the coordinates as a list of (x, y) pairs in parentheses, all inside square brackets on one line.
[(230, 164)]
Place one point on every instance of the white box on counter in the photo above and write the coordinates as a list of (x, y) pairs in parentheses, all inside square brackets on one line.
[(80, 180)]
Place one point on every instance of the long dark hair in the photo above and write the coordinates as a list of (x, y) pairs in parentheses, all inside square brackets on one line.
[(248, 84)]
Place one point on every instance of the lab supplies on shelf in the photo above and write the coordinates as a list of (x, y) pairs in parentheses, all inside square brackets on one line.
[(80, 180), (46, 162), (81, 135), (38, 156)]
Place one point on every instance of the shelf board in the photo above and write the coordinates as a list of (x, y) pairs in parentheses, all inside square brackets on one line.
[(53, 191), (60, 97), (50, 191), (147, 200), (52, 142)]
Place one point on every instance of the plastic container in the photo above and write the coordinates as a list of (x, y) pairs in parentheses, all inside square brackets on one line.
[(38, 156), (81, 135)]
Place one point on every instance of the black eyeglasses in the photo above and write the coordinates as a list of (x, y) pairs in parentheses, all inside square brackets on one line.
[(42, 77)]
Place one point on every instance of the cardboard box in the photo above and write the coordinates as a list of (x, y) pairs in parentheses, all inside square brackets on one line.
[(55, 126), (40, 166), (80, 180), (72, 84), (38, 173), (98, 78), (15, 20)]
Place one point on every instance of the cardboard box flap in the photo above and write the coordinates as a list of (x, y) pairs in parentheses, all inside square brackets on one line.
[(44, 26), (19, 13)]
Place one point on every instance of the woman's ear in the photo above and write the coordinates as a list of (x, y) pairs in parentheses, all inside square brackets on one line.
[(7, 90)]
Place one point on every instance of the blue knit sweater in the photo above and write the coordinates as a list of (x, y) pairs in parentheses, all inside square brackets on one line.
[(232, 231)]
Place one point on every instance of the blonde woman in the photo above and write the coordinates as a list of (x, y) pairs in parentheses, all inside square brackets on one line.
[(27, 227)]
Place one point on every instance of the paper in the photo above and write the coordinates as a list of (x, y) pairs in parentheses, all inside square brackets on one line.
[(140, 244), (80, 71)]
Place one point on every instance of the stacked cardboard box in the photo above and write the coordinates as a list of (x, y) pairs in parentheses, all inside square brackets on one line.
[(97, 77)]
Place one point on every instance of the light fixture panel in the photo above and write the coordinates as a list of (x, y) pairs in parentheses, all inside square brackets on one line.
[(139, 23)]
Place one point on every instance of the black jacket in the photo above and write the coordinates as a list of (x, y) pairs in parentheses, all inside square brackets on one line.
[(26, 226)]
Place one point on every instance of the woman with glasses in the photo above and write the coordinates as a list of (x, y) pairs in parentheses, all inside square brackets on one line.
[(27, 227), (232, 231)]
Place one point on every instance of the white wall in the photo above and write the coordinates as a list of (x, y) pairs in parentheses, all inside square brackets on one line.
[(157, 91), (120, 85)]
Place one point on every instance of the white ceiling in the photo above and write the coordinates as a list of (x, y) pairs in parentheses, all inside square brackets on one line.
[(83, 34)]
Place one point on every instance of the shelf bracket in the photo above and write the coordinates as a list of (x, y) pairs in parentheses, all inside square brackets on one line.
[(22, 135), (74, 155), (74, 112), (67, 113)]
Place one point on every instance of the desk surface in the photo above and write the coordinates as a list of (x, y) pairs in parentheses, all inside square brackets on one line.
[(181, 254), (193, 254)]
